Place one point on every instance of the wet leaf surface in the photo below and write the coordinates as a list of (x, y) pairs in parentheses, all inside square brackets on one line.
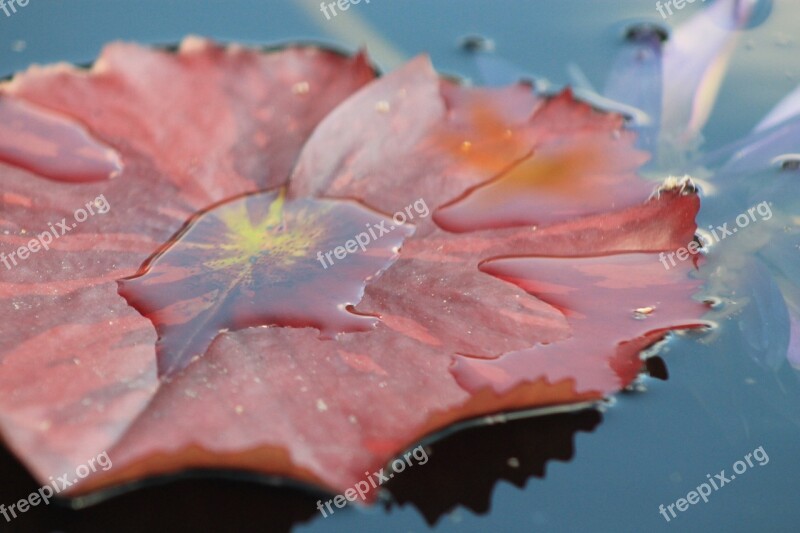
[(252, 262), (228, 344)]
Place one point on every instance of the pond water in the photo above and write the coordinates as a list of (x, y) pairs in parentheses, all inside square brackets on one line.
[(728, 395)]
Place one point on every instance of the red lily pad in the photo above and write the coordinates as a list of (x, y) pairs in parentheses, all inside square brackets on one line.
[(192, 323)]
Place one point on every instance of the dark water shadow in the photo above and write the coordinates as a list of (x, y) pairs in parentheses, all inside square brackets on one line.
[(462, 470), (464, 467)]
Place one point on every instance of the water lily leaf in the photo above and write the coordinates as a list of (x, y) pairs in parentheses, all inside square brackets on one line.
[(192, 129), (301, 271)]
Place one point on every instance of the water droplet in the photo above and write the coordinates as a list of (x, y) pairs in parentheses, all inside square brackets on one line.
[(300, 88)]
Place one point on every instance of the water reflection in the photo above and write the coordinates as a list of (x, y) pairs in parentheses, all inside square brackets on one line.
[(465, 467)]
